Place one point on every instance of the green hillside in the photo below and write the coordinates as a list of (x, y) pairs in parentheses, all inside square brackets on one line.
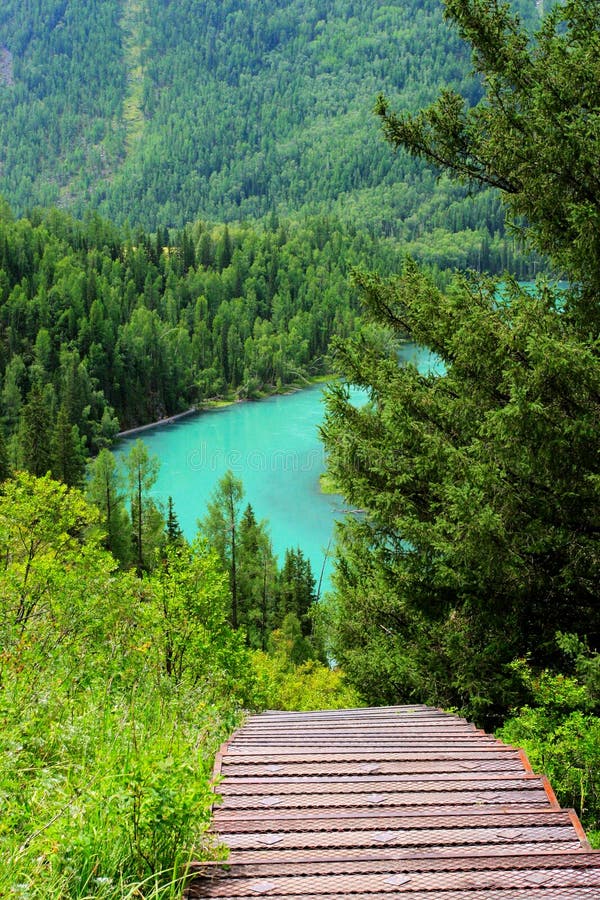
[(159, 112)]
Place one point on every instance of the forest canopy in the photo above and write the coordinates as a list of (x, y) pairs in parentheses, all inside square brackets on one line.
[(117, 329), (160, 113), (469, 576)]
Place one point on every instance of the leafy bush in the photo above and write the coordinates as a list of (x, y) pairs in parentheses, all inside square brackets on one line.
[(561, 737), (104, 792), (310, 685)]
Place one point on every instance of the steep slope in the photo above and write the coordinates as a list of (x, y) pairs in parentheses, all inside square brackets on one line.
[(61, 98), (160, 111)]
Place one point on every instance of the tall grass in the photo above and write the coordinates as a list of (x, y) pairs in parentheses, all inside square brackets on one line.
[(107, 793)]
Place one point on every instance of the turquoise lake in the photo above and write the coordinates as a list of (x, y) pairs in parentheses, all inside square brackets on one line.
[(273, 446)]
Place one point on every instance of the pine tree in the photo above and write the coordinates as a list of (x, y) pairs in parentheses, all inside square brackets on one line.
[(205, 250), (66, 451), (221, 527), (481, 486), (224, 251), (35, 429), (257, 573), (296, 589), (534, 135), (173, 531), (142, 472), (105, 489)]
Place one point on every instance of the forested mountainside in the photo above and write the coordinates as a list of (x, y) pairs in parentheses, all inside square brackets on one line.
[(161, 112)]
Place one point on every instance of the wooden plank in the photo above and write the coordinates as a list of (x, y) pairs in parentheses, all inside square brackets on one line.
[(405, 801)]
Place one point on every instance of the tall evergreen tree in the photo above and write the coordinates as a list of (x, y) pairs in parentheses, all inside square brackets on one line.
[(257, 573), (221, 527), (66, 451), (147, 525), (224, 250), (35, 431), (296, 589), (481, 486), (173, 531), (534, 135), (105, 489), (205, 250)]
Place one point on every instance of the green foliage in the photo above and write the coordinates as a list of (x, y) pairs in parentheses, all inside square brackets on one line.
[(221, 527), (146, 519), (231, 110), (308, 685), (186, 613), (296, 589), (288, 641), (173, 532), (48, 539), (257, 578), (122, 332), (34, 433), (535, 134), (105, 489), (105, 756), (561, 737), (115, 693), (5, 469), (479, 485), (66, 451), (106, 789), (272, 607)]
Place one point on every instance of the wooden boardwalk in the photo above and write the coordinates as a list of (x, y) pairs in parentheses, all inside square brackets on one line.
[(404, 800)]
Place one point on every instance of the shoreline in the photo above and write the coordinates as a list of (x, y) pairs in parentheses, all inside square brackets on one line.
[(168, 420), (220, 404)]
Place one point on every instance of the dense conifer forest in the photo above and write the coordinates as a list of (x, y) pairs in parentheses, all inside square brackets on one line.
[(160, 113), (118, 332)]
